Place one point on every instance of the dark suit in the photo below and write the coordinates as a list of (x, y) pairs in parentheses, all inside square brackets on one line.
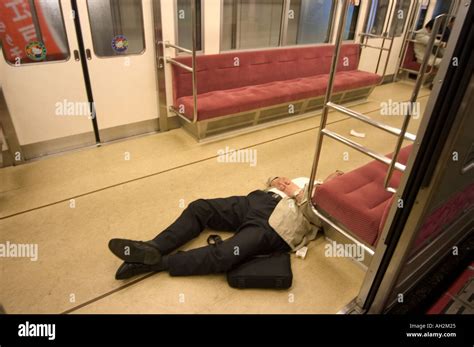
[(247, 216)]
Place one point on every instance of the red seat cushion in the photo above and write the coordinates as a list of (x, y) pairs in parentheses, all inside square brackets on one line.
[(242, 69), (225, 102), (358, 199), (410, 61), (243, 81)]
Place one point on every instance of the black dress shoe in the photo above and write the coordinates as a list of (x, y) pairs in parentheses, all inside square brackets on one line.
[(135, 251), (127, 270)]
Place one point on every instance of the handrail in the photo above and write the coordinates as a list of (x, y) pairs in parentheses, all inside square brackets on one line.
[(192, 68), (179, 48), (194, 75), (324, 115), (407, 37), (449, 15), (376, 47), (414, 96), (376, 36), (177, 63), (387, 31), (365, 119), (364, 36), (402, 133), (373, 154), (411, 30)]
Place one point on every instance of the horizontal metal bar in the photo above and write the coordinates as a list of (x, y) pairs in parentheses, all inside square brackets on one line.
[(179, 48), (376, 36), (368, 120), (180, 115), (177, 63), (376, 47), (409, 70), (362, 149), (342, 231)]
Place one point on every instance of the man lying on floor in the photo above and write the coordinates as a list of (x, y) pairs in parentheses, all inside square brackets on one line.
[(265, 221)]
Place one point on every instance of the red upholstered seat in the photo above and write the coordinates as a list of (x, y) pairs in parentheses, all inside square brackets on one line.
[(243, 81), (358, 200), (222, 102), (410, 61)]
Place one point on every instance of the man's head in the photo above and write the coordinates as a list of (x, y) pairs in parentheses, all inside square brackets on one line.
[(429, 25), (284, 184)]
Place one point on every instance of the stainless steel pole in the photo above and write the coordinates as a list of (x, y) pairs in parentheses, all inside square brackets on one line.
[(194, 72), (413, 98), (332, 74)]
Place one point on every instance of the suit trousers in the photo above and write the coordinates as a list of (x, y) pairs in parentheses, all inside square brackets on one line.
[(246, 216)]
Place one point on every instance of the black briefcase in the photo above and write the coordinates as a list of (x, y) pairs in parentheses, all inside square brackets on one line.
[(272, 271)]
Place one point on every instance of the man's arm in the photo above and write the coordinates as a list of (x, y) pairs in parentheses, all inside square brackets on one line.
[(425, 39)]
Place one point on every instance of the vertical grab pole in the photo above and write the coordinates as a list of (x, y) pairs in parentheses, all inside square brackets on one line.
[(194, 73), (409, 31), (386, 33), (413, 98), (332, 74)]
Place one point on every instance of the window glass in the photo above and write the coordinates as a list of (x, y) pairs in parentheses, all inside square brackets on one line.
[(378, 13), (32, 31), (117, 27), (251, 24), (185, 22), (309, 21), (401, 14), (422, 15), (351, 20)]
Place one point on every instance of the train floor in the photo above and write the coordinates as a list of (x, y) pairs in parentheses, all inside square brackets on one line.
[(70, 205)]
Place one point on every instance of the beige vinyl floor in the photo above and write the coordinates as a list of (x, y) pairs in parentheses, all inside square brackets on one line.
[(71, 204)]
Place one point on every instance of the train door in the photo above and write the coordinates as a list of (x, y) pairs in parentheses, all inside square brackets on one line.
[(42, 78), (382, 35), (119, 47), (76, 73)]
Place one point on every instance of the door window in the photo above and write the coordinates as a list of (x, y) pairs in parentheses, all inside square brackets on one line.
[(185, 22), (32, 31), (117, 27), (378, 14)]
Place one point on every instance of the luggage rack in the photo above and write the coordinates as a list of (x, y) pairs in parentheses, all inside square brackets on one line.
[(402, 133)]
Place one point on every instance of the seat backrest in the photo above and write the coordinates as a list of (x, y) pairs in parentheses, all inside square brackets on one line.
[(240, 69), (410, 58), (403, 159)]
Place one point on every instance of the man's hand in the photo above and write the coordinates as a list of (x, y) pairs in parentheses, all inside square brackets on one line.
[(285, 185)]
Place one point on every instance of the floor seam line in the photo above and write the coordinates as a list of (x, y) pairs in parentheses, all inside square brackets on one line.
[(171, 169), (103, 296), (154, 174), (118, 289)]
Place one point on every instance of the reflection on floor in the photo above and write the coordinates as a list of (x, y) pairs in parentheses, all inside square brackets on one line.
[(71, 205)]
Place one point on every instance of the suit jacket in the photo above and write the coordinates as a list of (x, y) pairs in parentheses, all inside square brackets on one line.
[(294, 221)]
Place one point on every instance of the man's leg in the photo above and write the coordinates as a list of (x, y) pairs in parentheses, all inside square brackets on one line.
[(225, 214), (250, 241)]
